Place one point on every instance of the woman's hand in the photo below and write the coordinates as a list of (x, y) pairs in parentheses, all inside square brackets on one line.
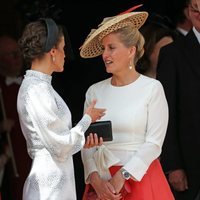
[(103, 188), (95, 113), (117, 182), (93, 140)]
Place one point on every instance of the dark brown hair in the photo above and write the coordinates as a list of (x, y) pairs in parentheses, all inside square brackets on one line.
[(33, 40)]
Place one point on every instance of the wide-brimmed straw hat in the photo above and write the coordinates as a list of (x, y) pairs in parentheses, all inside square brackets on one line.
[(92, 46)]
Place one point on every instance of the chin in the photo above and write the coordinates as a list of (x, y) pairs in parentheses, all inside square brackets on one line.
[(108, 70), (60, 69)]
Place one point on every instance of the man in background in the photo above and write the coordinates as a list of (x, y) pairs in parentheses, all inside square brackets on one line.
[(182, 20), (179, 72), (11, 70)]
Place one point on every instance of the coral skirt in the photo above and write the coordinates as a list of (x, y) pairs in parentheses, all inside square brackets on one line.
[(153, 185)]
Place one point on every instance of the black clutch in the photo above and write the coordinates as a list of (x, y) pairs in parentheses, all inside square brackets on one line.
[(102, 129)]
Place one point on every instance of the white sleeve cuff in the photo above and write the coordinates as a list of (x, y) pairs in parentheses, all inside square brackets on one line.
[(137, 168), (89, 167)]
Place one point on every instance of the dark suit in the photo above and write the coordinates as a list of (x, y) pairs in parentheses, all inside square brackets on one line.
[(179, 72)]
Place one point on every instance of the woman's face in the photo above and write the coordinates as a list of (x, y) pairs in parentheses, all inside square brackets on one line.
[(116, 55), (156, 50), (59, 56)]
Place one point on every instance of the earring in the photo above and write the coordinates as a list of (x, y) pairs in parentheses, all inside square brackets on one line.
[(53, 59), (130, 65)]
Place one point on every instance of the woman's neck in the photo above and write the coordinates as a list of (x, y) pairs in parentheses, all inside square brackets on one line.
[(42, 66), (124, 80)]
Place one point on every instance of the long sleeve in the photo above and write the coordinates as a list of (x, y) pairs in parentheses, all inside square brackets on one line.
[(139, 115), (46, 121), (157, 120)]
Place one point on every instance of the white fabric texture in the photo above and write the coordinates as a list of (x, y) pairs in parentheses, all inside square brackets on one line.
[(139, 115), (51, 141)]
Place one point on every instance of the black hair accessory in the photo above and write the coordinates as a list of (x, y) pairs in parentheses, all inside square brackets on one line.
[(52, 33)]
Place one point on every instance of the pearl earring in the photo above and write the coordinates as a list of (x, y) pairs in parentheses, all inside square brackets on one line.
[(53, 59), (130, 65)]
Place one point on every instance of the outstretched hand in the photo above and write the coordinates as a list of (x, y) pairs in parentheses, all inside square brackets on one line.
[(95, 113)]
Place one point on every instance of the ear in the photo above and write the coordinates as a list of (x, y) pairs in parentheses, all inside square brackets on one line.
[(52, 52), (186, 12), (132, 51)]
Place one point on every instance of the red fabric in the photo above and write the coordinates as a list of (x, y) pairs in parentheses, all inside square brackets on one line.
[(153, 185), (130, 9)]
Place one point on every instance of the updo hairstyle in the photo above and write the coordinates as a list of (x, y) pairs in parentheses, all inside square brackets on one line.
[(33, 40)]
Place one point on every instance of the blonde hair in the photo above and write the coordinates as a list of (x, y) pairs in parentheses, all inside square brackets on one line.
[(130, 36)]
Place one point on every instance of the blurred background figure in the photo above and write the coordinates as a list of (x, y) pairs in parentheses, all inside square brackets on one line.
[(157, 32), (5, 126), (179, 73), (11, 69), (182, 20)]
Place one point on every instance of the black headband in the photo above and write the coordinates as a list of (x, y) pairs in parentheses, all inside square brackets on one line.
[(52, 34)]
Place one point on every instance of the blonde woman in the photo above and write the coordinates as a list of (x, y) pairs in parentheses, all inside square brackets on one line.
[(126, 167)]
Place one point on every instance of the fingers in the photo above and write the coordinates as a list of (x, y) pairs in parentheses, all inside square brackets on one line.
[(180, 185), (93, 103), (95, 113), (93, 140), (87, 145), (98, 113), (101, 112), (100, 141), (113, 194), (178, 180), (111, 188), (96, 140), (90, 141)]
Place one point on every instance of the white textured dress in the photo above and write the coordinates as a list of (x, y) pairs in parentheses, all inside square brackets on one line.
[(51, 141)]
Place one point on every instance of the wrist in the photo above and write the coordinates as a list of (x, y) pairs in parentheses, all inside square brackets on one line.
[(125, 174), (94, 177)]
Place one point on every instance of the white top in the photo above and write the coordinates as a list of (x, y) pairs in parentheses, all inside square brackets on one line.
[(51, 141), (139, 115)]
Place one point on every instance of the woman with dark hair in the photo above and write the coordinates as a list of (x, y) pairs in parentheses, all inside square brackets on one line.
[(45, 118), (157, 33)]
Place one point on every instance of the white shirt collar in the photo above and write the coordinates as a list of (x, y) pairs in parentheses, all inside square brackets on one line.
[(197, 34), (183, 31)]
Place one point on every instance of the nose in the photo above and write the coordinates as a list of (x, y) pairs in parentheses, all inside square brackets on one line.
[(105, 54)]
